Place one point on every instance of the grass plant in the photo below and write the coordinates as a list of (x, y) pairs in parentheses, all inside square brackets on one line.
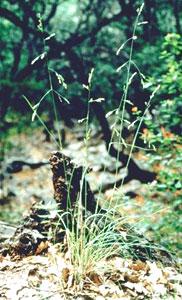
[(89, 244)]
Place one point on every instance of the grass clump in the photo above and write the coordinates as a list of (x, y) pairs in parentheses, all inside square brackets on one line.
[(87, 243)]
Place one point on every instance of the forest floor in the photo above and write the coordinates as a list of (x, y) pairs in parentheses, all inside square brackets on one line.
[(50, 274)]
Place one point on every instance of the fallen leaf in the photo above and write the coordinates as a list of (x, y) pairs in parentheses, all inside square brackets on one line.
[(41, 247), (65, 274), (131, 278), (94, 277), (139, 265)]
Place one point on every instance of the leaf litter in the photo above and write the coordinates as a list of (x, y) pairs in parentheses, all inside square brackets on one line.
[(52, 275)]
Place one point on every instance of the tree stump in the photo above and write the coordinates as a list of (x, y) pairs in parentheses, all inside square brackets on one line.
[(69, 185)]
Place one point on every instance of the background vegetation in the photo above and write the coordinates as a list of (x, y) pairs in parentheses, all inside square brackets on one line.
[(65, 40)]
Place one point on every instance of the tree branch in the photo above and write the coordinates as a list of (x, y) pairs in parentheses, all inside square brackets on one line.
[(9, 15), (52, 12)]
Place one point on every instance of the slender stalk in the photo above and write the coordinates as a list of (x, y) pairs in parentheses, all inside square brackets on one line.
[(52, 95)]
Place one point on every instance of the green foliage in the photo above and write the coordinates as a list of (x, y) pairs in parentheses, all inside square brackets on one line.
[(84, 35), (167, 162), (165, 126), (163, 133), (171, 82), (169, 110)]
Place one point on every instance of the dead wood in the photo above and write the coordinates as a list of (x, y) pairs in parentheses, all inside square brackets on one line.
[(28, 235), (67, 181), (17, 165), (70, 184)]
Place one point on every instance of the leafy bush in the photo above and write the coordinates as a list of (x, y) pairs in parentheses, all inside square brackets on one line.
[(170, 112), (163, 133)]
